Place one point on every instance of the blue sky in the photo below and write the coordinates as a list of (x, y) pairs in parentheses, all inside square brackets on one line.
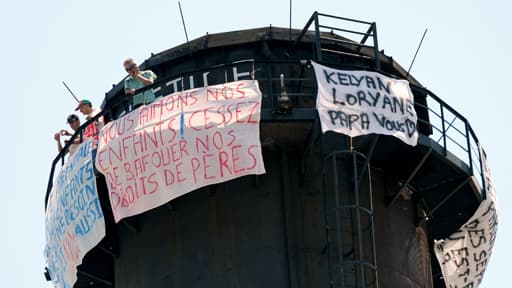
[(464, 60)]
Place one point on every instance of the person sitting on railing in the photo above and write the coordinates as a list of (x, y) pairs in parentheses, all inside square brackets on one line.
[(92, 130), (74, 123), (138, 79)]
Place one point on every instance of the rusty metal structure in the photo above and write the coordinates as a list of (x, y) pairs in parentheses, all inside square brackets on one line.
[(331, 211)]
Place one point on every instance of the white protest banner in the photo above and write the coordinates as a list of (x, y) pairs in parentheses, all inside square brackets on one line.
[(464, 256), (363, 102), (179, 143), (74, 219)]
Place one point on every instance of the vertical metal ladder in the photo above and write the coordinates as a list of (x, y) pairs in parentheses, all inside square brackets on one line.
[(349, 220)]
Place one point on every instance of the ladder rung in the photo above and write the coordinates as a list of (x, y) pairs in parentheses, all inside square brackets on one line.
[(346, 53)]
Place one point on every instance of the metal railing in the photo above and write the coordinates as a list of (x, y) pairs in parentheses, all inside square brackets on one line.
[(453, 133), (324, 34), (449, 128)]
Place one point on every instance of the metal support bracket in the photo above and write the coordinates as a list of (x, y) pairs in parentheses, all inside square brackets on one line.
[(446, 198), (107, 250), (132, 227), (96, 278), (411, 176)]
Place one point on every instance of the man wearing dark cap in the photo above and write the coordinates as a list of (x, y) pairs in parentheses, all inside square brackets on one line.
[(92, 130), (74, 123)]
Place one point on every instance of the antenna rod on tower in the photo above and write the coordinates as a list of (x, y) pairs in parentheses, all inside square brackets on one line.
[(184, 27), (72, 94), (290, 20), (418, 49)]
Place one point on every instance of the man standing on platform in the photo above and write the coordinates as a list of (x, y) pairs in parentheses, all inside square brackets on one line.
[(74, 123), (92, 130), (136, 80)]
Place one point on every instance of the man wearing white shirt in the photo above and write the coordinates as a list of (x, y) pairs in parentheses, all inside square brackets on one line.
[(85, 107)]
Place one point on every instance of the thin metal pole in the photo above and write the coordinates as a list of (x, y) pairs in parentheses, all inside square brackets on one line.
[(376, 46), (481, 154), (317, 38), (290, 20), (417, 49), (470, 158), (184, 27), (444, 131), (72, 94)]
